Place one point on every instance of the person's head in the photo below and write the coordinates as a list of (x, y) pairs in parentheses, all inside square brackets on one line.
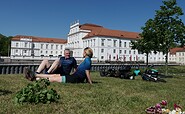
[(88, 52), (67, 53)]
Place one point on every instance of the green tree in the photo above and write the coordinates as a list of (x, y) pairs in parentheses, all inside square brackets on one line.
[(168, 28), (164, 31), (146, 44), (5, 45)]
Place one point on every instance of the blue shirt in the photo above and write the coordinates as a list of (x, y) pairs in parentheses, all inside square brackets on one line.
[(67, 64), (85, 65)]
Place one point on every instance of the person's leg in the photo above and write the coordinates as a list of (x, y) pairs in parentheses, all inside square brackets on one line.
[(44, 64), (46, 75), (54, 66), (50, 77)]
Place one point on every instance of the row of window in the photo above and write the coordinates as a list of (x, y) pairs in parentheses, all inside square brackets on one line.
[(73, 38), (124, 59), (74, 30), (109, 43), (51, 46), (89, 43), (120, 51), (46, 52), (181, 54), (43, 46), (134, 58), (74, 44), (51, 52)]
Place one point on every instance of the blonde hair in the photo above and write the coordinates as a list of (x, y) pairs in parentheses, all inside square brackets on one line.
[(89, 52)]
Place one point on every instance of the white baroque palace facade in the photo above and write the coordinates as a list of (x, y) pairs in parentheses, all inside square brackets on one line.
[(111, 45), (36, 48), (107, 45)]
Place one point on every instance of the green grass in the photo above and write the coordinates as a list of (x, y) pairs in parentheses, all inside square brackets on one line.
[(109, 95)]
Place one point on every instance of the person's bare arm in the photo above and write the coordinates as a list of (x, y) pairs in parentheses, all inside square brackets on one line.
[(88, 76)]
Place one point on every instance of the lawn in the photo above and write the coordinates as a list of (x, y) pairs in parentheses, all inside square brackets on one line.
[(107, 96)]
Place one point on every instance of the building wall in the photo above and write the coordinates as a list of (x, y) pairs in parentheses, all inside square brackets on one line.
[(172, 58), (28, 49), (104, 48), (180, 57)]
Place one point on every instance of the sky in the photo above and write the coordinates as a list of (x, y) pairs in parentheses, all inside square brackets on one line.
[(52, 18)]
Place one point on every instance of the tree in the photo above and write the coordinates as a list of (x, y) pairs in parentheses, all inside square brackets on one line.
[(147, 43), (5, 45), (168, 28), (164, 31)]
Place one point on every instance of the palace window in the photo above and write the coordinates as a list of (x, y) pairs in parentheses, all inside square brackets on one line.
[(25, 44), (56, 46), (125, 44), (114, 51), (42, 45), (102, 42), (115, 43), (17, 44), (102, 50), (109, 43), (120, 43), (46, 46)]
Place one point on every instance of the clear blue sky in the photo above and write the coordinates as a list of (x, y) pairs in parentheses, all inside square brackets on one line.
[(51, 18)]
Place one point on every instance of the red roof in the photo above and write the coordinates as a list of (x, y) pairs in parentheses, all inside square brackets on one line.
[(174, 50), (97, 30), (40, 39)]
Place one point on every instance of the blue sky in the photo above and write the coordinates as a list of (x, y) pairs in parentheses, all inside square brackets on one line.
[(51, 18)]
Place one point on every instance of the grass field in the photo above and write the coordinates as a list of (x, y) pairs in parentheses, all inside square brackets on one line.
[(107, 96)]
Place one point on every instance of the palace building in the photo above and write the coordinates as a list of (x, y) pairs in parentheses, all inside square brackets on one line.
[(36, 48), (107, 45)]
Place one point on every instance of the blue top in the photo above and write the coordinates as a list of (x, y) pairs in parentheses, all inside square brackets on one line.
[(137, 72), (67, 64), (85, 65)]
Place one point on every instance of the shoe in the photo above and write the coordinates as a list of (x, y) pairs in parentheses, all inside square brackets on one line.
[(30, 75)]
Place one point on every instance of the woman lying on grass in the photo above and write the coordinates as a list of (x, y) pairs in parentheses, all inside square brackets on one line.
[(82, 72)]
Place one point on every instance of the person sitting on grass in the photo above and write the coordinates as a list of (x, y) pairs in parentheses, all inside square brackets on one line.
[(81, 74), (62, 66)]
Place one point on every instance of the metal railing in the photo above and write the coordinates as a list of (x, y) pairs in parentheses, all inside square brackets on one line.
[(18, 68)]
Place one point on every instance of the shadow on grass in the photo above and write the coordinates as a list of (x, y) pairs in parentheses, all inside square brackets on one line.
[(95, 82), (4, 92), (164, 76)]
